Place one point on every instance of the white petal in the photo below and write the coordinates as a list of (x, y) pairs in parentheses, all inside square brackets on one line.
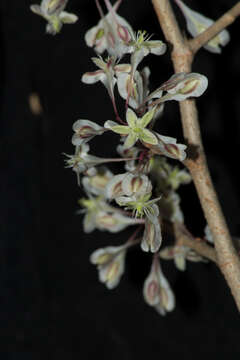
[(136, 184), (197, 23), (93, 77), (89, 223), (152, 237), (113, 222), (114, 186), (36, 10), (82, 123), (131, 118), (151, 289), (168, 299), (109, 124), (68, 18), (130, 140)]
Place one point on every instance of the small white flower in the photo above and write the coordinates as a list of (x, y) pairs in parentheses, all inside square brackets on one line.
[(96, 183), (82, 162), (52, 11), (111, 33), (113, 221), (197, 23), (110, 262), (167, 146), (157, 291), (140, 46), (85, 130), (106, 73), (99, 215), (135, 130), (134, 88), (180, 87)]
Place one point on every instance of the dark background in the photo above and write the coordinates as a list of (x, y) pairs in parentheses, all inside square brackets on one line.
[(52, 304)]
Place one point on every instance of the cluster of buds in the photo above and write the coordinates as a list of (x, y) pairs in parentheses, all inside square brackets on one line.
[(144, 195)]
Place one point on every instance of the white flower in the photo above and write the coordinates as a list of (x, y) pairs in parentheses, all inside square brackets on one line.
[(81, 161), (135, 130), (99, 215), (167, 146), (85, 130), (106, 73), (96, 184), (52, 11), (111, 33), (180, 86), (157, 291), (137, 193), (134, 88), (110, 262), (140, 46), (197, 23)]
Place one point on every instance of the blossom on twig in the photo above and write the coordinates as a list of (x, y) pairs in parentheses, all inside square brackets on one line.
[(181, 86), (135, 128), (111, 33), (197, 23), (53, 12)]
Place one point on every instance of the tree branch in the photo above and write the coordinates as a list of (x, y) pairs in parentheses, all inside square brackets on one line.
[(183, 237), (228, 18), (182, 57)]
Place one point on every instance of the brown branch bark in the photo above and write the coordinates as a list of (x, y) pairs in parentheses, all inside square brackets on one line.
[(228, 18), (182, 57)]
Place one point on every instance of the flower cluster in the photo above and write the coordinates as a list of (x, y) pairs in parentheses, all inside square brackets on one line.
[(144, 195)]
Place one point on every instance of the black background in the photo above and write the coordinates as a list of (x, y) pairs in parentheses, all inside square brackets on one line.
[(52, 304)]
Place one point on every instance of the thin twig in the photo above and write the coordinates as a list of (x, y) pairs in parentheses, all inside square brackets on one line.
[(182, 57), (228, 18), (183, 237)]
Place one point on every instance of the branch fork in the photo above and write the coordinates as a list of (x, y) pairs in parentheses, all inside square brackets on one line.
[(182, 56)]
